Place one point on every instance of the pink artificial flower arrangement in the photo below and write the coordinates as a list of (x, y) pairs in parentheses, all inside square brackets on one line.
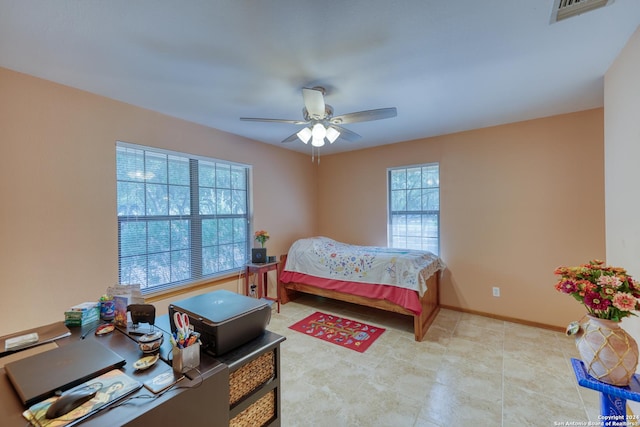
[(262, 236), (607, 292)]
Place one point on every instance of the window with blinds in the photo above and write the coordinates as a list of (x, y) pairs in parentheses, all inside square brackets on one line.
[(181, 218), (414, 207)]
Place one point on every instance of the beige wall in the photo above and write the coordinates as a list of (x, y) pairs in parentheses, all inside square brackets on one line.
[(516, 201), (58, 235), (622, 156)]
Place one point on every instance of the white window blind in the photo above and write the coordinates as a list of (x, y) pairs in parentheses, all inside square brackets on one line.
[(414, 207), (181, 218)]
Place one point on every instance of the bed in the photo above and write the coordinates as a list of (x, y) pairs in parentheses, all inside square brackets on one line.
[(398, 280)]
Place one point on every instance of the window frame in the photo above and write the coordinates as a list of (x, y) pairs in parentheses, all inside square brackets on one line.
[(195, 218), (391, 242)]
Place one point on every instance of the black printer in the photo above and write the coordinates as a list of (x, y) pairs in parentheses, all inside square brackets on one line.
[(224, 319)]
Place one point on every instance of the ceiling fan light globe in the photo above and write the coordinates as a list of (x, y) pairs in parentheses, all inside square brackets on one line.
[(332, 134), (318, 131), (317, 142), (304, 135)]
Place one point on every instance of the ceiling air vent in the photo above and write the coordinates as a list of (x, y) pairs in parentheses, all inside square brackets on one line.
[(563, 9)]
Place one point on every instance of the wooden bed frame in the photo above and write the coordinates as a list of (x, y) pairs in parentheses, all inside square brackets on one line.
[(430, 300)]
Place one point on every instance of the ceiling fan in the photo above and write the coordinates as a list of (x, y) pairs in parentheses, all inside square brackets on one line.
[(321, 125)]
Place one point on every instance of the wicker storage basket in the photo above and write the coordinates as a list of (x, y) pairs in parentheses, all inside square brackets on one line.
[(258, 414), (251, 376)]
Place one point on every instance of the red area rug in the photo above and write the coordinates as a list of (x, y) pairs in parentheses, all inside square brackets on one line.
[(346, 333)]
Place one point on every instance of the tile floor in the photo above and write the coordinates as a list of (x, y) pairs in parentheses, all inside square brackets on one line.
[(469, 371)]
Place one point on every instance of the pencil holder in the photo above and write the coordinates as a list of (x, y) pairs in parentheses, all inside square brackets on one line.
[(185, 359)]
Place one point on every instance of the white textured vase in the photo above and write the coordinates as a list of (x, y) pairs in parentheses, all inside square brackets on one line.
[(609, 353)]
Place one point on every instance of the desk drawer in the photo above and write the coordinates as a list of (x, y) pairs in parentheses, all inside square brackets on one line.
[(251, 376), (258, 414)]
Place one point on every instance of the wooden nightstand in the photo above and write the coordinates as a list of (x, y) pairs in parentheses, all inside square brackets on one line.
[(261, 271)]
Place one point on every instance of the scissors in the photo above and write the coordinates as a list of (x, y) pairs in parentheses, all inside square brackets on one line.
[(181, 320)]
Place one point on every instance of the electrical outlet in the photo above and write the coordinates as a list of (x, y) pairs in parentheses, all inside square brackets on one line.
[(496, 291)]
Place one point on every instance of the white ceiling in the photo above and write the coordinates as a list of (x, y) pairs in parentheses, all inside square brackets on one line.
[(447, 66)]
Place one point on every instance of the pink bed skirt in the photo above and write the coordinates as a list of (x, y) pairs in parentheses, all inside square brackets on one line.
[(403, 297)]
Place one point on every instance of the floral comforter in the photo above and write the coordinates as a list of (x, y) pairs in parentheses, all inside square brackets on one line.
[(329, 259)]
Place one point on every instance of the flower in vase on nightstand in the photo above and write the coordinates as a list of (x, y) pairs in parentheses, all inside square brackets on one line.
[(262, 237), (609, 294)]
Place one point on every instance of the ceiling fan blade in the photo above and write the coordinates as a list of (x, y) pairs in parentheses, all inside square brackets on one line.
[(291, 138), (256, 119), (314, 102), (365, 116), (346, 134)]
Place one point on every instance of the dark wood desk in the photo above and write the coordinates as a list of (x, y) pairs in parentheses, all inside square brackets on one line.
[(201, 399)]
